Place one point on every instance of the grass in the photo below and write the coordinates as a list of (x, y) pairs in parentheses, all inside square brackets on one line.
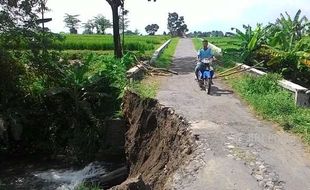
[(147, 88), (165, 59), (105, 42), (273, 103)]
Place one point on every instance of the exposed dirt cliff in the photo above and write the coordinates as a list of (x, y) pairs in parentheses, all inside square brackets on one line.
[(157, 141)]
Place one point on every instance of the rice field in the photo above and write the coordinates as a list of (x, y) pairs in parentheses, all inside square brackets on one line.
[(105, 42), (226, 43)]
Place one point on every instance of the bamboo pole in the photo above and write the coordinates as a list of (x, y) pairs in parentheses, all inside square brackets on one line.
[(229, 70)]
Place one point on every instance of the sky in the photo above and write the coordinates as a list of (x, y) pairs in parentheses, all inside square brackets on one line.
[(199, 15)]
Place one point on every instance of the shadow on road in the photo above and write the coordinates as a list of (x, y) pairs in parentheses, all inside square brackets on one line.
[(215, 91), (184, 65)]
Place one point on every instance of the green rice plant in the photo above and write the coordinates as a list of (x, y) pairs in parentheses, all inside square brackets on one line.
[(105, 42)]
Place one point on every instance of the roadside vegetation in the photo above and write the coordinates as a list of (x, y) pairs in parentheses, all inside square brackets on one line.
[(57, 90), (149, 86), (165, 59), (272, 102), (146, 88)]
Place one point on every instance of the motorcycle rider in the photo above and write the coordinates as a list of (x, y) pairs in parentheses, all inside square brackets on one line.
[(204, 53)]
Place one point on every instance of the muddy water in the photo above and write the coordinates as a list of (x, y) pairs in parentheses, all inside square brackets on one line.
[(48, 175)]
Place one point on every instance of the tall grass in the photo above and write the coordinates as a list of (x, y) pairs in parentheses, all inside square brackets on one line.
[(273, 103)]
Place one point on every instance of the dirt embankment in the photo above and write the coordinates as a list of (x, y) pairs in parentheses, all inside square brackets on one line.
[(157, 142)]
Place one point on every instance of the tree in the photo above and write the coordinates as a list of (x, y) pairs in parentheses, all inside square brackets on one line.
[(151, 29), (115, 4), (72, 22), (89, 27), (101, 24), (176, 24), (251, 40)]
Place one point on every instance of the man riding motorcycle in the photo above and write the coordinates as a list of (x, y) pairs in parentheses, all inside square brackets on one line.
[(204, 53)]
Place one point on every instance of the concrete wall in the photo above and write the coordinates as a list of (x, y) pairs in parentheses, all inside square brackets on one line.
[(159, 51)]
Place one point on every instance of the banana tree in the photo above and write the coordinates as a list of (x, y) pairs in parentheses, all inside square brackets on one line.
[(251, 40), (291, 61), (285, 32)]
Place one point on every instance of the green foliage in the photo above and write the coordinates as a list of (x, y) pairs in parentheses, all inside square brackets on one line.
[(286, 31), (77, 104), (290, 62), (10, 71), (251, 40), (273, 102), (197, 43)]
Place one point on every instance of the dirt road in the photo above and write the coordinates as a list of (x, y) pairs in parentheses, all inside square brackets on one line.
[(236, 150)]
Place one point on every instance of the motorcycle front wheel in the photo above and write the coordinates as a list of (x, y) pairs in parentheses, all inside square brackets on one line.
[(207, 85)]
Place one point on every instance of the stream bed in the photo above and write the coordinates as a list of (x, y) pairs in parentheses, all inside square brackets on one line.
[(49, 175)]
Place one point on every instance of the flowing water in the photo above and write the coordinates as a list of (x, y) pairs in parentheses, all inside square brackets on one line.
[(36, 177), (70, 179)]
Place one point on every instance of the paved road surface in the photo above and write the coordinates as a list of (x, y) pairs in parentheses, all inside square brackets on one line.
[(236, 150)]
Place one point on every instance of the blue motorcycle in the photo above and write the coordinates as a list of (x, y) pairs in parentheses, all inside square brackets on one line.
[(206, 75)]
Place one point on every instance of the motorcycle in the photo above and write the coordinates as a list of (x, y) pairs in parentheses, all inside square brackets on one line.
[(205, 75)]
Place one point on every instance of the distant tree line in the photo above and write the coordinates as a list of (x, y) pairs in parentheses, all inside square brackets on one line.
[(97, 25), (214, 33)]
